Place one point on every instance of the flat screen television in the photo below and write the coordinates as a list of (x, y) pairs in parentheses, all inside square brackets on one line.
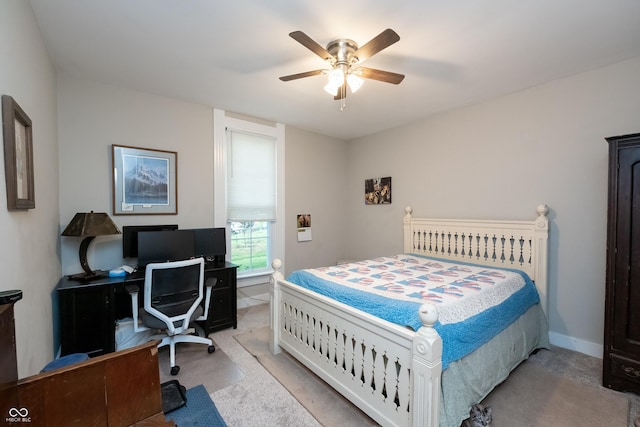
[(130, 237), (162, 246), (210, 243)]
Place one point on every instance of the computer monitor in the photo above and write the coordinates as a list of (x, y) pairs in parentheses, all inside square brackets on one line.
[(130, 237), (162, 246), (210, 243)]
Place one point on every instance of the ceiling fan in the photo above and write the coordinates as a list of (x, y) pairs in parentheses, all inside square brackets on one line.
[(344, 57)]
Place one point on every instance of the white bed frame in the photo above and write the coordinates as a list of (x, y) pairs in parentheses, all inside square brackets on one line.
[(390, 372)]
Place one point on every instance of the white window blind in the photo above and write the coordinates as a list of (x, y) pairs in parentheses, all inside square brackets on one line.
[(251, 177)]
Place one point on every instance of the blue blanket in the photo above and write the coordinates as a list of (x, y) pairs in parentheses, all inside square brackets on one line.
[(459, 339)]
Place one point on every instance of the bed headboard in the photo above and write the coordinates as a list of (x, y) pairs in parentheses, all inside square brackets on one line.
[(512, 244)]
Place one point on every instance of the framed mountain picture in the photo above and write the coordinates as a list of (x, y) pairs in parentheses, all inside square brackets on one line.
[(145, 181)]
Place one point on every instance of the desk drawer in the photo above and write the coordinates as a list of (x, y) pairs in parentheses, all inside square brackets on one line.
[(220, 279), (222, 309)]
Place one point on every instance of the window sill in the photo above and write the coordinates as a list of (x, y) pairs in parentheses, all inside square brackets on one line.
[(253, 279)]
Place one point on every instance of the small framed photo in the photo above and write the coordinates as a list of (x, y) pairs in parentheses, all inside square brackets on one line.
[(145, 181), (18, 156), (377, 191), (304, 227)]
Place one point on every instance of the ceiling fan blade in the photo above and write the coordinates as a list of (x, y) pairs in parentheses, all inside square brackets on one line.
[(375, 45), (383, 76), (342, 92), (310, 44), (302, 75)]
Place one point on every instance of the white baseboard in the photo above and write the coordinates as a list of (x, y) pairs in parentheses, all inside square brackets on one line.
[(587, 347), (244, 302)]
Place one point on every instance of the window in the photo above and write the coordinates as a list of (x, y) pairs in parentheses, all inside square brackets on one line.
[(249, 191), (250, 245)]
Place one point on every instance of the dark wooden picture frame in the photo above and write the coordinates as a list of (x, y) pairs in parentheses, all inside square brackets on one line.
[(18, 155)]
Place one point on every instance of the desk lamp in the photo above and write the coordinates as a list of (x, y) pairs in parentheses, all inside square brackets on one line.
[(89, 225)]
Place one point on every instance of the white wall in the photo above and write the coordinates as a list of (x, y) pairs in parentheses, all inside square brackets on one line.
[(94, 116), (316, 168), (503, 158), (29, 257)]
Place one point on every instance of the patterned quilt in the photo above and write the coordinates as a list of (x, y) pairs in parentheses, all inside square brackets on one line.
[(474, 302)]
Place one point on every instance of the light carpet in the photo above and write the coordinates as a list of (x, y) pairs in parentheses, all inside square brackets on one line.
[(531, 396), (244, 392), (197, 367), (535, 397), (323, 402)]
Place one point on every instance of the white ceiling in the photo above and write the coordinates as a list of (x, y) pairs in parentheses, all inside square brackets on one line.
[(229, 54)]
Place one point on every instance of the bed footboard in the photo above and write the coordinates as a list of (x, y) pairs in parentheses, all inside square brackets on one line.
[(389, 372)]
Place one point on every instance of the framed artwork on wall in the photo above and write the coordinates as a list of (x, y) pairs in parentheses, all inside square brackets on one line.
[(145, 181), (304, 227), (18, 156), (377, 191)]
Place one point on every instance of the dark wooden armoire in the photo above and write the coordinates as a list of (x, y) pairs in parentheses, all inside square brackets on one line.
[(621, 361)]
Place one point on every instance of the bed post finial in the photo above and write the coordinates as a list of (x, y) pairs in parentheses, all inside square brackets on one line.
[(542, 210), (428, 314), (406, 229)]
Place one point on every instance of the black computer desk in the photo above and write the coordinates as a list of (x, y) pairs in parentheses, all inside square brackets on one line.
[(89, 310)]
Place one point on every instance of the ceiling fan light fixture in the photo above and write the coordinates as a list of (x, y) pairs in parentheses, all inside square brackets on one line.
[(335, 81), (336, 77), (354, 82), (331, 89)]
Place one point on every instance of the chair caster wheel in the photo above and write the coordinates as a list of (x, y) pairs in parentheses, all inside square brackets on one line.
[(175, 370), (211, 349)]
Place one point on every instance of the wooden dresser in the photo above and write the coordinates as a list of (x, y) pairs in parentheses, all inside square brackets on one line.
[(621, 361), (116, 389)]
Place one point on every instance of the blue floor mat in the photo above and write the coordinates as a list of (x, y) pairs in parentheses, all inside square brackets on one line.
[(199, 410)]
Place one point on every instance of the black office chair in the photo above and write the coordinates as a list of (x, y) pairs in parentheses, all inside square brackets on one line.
[(173, 292)]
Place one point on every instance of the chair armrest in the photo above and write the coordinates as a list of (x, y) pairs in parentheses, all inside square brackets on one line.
[(207, 298), (132, 289)]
